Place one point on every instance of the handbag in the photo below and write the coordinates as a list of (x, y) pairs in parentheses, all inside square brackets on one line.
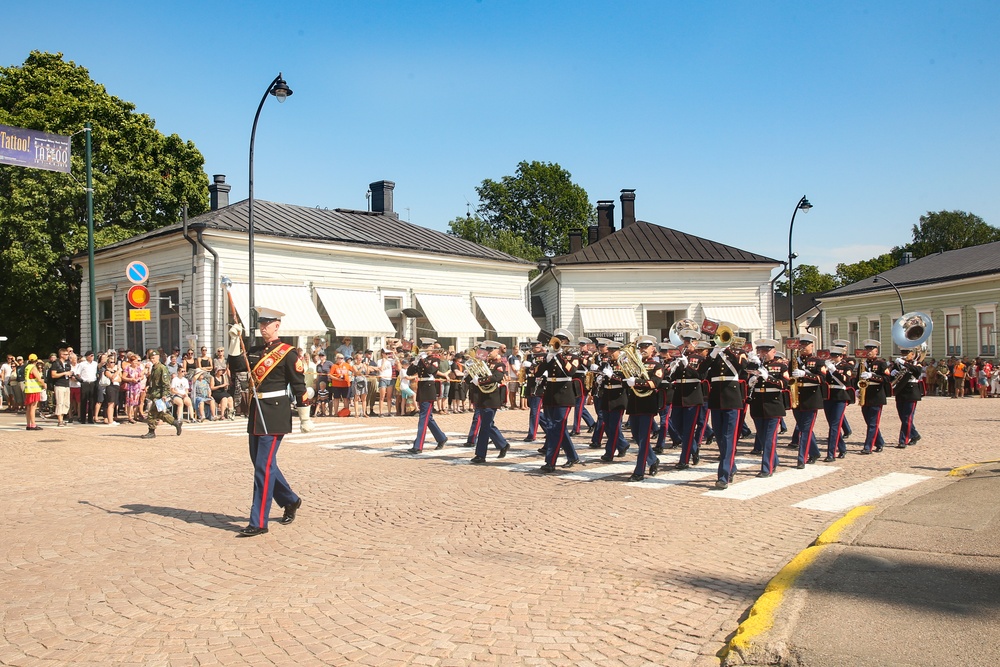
[(104, 381)]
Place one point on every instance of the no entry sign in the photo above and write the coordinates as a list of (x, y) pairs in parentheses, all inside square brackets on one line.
[(138, 296)]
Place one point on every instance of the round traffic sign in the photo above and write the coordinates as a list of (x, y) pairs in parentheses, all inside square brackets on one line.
[(137, 272), (138, 296)]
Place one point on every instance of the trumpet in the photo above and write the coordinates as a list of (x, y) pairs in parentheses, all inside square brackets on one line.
[(631, 365), (555, 343)]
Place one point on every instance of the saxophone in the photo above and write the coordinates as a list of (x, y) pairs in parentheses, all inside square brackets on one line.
[(862, 384), (793, 384)]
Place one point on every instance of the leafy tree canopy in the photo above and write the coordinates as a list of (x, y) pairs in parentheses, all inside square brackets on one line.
[(538, 206), (140, 176), (474, 228), (949, 230), (808, 280), (866, 268)]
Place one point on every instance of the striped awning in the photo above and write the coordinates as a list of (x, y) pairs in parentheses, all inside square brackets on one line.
[(301, 317), (449, 315), (746, 318), (355, 312), (608, 319), (509, 317)]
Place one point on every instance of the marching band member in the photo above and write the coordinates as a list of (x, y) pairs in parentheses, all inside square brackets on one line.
[(600, 362), (852, 363), (726, 397), (840, 380), (487, 396), (767, 384), (425, 371), (273, 367), (875, 380), (613, 404), (532, 389), (558, 397), (688, 398), (643, 403), (907, 389), (705, 433), (585, 357), (668, 352), (811, 379)]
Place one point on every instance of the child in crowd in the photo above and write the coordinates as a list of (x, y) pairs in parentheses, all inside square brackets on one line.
[(323, 400)]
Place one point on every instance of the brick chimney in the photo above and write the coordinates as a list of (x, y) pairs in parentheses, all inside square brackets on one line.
[(628, 207), (605, 218), (382, 197), (218, 192), (591, 234), (575, 241)]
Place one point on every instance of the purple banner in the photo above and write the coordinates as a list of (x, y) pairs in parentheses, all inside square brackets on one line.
[(31, 148)]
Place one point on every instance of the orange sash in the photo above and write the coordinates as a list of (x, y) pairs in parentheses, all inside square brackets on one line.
[(268, 362)]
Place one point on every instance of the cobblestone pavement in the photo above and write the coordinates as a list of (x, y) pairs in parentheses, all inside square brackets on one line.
[(116, 549)]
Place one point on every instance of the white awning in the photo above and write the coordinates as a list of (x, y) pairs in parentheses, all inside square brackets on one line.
[(509, 317), (608, 319), (355, 313), (746, 318), (301, 317), (449, 315)]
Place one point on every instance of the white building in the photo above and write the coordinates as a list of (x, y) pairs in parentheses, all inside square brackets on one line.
[(642, 278), (363, 274)]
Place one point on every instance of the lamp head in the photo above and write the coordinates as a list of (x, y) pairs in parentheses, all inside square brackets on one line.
[(280, 89), (804, 204)]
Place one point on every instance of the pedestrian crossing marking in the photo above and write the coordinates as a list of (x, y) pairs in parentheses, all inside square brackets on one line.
[(754, 487), (860, 494)]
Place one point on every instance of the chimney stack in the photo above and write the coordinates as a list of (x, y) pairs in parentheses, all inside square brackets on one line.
[(382, 197), (628, 207), (575, 240), (605, 218), (591, 234), (218, 192), (906, 258)]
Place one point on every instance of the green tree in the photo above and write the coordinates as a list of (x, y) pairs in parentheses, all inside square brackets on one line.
[(949, 230), (808, 280), (141, 178), (539, 204), (866, 268), (473, 228)]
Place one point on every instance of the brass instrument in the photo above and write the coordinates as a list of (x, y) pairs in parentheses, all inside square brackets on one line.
[(555, 343), (862, 384), (631, 365), (588, 380), (522, 374), (675, 330), (480, 369), (793, 384), (724, 336)]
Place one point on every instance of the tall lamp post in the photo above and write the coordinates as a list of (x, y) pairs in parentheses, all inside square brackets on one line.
[(902, 311), (803, 206), (279, 89)]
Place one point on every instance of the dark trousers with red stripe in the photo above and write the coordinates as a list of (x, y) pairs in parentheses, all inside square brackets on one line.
[(642, 428), (907, 431), (766, 440), (667, 427), (805, 425), (595, 439), (834, 411), (477, 420), (426, 421), (687, 424), (726, 425), (873, 437), (704, 426), (268, 482), (488, 431), (534, 416), (580, 410), (613, 431), (556, 436)]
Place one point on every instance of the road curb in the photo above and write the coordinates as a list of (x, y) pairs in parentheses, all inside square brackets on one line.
[(761, 638), (969, 468)]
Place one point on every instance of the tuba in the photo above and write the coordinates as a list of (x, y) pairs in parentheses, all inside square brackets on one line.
[(478, 368), (912, 330), (675, 330), (631, 365)]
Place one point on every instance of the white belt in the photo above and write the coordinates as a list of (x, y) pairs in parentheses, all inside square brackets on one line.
[(687, 380), (721, 378), (809, 384), (427, 380), (767, 390), (273, 394), (613, 386), (560, 379)]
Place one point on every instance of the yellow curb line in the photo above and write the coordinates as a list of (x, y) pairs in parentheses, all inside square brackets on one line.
[(961, 470), (761, 618)]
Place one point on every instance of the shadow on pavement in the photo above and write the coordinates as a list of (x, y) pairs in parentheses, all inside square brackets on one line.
[(210, 519)]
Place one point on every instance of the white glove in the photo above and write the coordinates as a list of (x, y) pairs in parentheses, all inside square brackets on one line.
[(550, 356), (682, 360), (630, 382), (716, 351), (900, 361), (475, 380), (798, 373), (422, 355), (526, 363), (753, 358), (894, 372), (593, 367), (866, 375), (608, 372), (305, 423), (830, 366), (235, 340), (764, 374)]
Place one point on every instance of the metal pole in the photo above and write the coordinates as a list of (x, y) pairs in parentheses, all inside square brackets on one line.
[(805, 206), (90, 240), (902, 311)]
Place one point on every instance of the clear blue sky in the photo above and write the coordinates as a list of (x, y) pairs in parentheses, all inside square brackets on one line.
[(720, 114)]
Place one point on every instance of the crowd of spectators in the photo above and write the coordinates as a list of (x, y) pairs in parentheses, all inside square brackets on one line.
[(961, 377)]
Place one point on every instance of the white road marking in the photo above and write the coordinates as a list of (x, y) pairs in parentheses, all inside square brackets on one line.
[(755, 487), (859, 494)]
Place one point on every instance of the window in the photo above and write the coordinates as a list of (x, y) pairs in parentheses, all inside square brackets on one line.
[(987, 342), (105, 324), (834, 331), (875, 329), (170, 320), (953, 334), (135, 338), (852, 335)]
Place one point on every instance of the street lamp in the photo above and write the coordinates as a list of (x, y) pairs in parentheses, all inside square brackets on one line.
[(902, 311), (279, 89), (803, 206)]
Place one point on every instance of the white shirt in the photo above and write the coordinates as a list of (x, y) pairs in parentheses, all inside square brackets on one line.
[(179, 386), (385, 369), (86, 371), (5, 372)]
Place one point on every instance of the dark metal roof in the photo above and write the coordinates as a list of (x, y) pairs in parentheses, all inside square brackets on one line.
[(334, 225), (645, 242), (803, 303), (940, 267)]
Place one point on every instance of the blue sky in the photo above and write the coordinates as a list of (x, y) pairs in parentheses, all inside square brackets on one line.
[(719, 114)]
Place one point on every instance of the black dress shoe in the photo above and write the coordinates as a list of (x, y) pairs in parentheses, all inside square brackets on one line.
[(681, 466), (528, 439), (290, 510), (829, 459), (178, 424), (607, 459), (620, 453), (915, 439), (695, 459), (547, 468), (800, 466), (478, 459), (590, 429), (710, 439), (841, 455), (441, 444), (763, 474), (413, 450), (468, 444), (756, 452), (721, 484), (865, 451), (654, 468), (541, 450), (596, 445), (658, 450), (251, 531), (148, 435), (901, 446), (575, 433), (878, 450), (812, 459), (636, 477), (847, 432), (570, 464), (503, 451)]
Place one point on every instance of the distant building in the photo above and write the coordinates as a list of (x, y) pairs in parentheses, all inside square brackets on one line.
[(808, 317)]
